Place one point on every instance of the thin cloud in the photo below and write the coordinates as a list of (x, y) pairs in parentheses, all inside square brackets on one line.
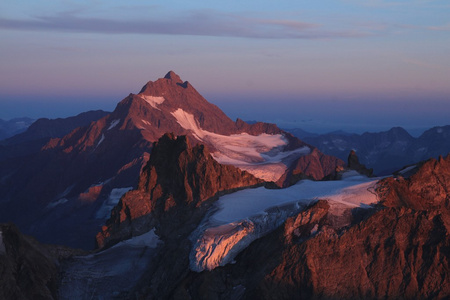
[(420, 63), (439, 28), (195, 23)]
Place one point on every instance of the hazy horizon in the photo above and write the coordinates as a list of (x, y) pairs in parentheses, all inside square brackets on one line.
[(307, 114), (336, 64)]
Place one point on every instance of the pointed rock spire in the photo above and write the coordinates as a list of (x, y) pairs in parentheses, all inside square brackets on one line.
[(173, 76)]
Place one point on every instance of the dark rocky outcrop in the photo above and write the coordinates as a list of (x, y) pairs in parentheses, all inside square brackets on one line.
[(28, 270), (354, 164), (314, 165)]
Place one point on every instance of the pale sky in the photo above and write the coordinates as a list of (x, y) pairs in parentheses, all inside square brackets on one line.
[(343, 64)]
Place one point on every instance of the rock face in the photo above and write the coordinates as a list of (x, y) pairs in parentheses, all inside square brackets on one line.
[(315, 165), (354, 164), (427, 189), (177, 178), (406, 258), (28, 270)]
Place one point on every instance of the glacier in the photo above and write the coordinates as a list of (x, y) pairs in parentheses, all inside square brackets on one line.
[(261, 155), (238, 219)]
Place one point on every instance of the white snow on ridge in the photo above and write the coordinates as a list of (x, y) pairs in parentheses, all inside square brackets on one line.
[(113, 124), (56, 203), (260, 155), (239, 218), (101, 140), (114, 197), (407, 169), (152, 100)]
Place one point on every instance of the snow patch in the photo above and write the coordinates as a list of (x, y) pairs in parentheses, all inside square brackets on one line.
[(439, 130), (114, 197), (113, 124), (2, 244), (101, 140), (106, 274), (152, 100), (261, 155), (407, 169), (314, 229), (146, 122), (238, 219), (56, 203)]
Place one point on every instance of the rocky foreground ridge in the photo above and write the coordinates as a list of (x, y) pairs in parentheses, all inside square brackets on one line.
[(397, 249)]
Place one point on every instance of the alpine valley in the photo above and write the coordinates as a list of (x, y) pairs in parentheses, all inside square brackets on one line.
[(168, 198)]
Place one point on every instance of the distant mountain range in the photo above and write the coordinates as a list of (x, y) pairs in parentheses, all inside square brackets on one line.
[(38, 133), (385, 152), (13, 127)]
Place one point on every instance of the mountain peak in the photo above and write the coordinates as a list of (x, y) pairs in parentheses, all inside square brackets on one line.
[(173, 76)]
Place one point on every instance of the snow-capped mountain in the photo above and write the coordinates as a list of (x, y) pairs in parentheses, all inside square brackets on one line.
[(68, 184)]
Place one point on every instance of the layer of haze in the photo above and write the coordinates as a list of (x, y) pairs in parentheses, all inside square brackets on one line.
[(319, 65)]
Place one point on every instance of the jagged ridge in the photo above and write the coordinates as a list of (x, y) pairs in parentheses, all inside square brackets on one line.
[(176, 177)]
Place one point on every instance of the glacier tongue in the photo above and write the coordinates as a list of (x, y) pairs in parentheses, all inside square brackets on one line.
[(238, 219), (218, 245)]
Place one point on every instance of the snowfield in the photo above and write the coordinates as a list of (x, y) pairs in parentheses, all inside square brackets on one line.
[(238, 219), (152, 100), (102, 138), (261, 155), (113, 124), (105, 274)]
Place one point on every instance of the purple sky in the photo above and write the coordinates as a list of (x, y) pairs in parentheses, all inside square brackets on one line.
[(334, 64)]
